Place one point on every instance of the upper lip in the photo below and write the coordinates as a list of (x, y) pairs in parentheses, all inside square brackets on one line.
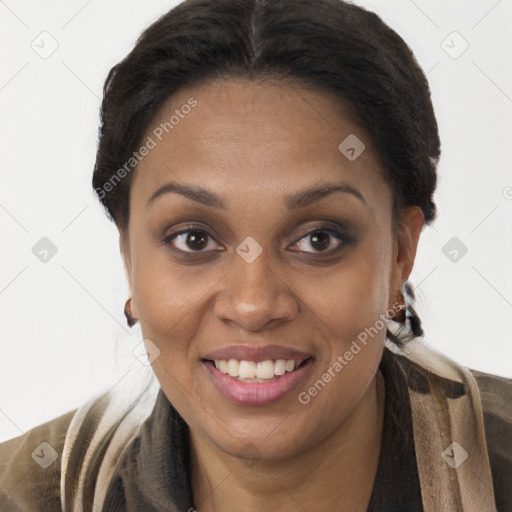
[(263, 353)]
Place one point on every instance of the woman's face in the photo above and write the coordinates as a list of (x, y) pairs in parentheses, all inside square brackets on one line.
[(237, 251)]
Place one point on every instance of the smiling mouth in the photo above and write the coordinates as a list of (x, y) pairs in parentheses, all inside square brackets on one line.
[(257, 371)]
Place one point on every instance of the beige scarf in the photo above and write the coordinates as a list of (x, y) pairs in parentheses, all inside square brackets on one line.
[(449, 438)]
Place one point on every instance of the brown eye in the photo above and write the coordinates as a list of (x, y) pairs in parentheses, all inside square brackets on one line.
[(196, 240), (190, 240), (321, 240)]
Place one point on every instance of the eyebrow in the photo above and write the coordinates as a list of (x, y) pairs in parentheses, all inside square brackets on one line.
[(292, 202)]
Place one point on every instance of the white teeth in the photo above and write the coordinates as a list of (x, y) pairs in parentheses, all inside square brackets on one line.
[(280, 367), (247, 370), (233, 366), (265, 370), (256, 370)]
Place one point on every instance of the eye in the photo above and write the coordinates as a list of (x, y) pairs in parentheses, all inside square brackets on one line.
[(321, 239), (190, 240)]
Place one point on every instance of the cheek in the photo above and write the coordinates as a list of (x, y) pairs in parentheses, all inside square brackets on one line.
[(348, 312), (172, 306), (170, 302), (357, 294), (168, 294)]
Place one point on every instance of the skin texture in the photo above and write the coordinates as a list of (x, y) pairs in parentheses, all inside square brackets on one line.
[(253, 144)]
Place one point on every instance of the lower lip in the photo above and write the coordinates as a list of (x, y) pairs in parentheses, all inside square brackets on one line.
[(258, 393)]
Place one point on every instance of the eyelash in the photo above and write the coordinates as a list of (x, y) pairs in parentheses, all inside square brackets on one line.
[(343, 238)]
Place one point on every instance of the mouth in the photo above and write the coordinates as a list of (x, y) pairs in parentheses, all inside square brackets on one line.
[(257, 376)]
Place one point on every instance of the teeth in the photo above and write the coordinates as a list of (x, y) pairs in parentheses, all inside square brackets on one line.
[(247, 370), (280, 367), (265, 370), (256, 370), (233, 366)]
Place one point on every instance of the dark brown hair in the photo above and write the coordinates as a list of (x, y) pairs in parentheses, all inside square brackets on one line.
[(331, 45)]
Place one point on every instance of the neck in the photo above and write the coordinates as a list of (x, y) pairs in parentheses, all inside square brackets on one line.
[(336, 475)]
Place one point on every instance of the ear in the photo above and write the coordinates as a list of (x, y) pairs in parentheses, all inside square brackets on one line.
[(406, 244)]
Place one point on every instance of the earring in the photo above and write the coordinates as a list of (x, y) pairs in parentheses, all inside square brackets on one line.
[(401, 315), (128, 314)]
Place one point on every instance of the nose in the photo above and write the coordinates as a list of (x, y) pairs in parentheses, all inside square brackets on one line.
[(255, 294)]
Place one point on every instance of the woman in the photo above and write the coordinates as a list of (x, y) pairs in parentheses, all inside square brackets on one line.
[(269, 167)]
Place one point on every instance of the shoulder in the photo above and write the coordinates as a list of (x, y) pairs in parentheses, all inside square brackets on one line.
[(30, 467), (496, 393), (70, 459), (496, 396), (490, 399)]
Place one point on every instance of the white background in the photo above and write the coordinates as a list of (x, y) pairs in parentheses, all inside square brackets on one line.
[(63, 334)]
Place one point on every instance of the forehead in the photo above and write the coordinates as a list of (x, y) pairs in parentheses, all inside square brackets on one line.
[(263, 136)]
